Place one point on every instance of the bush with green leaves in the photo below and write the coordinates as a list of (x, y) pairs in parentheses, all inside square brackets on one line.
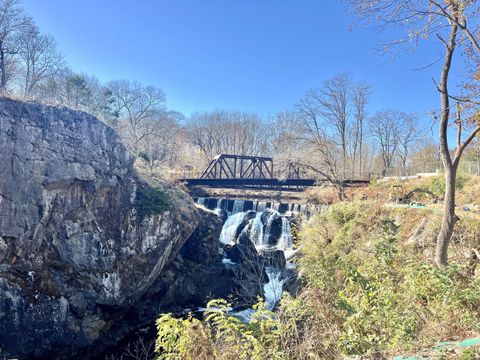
[(437, 183), (470, 354), (386, 297), (220, 335), (365, 292), (150, 201)]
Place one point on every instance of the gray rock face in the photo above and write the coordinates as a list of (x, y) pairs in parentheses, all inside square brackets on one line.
[(74, 254)]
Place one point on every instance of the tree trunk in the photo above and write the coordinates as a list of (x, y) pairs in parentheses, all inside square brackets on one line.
[(360, 169), (3, 79), (448, 219), (341, 192)]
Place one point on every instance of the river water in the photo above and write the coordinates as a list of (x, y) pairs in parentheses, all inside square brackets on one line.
[(268, 226)]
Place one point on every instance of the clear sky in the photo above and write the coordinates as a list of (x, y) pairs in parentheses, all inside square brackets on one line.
[(252, 55)]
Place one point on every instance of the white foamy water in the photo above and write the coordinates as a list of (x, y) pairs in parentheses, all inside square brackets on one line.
[(238, 206), (259, 231), (229, 229), (285, 242), (228, 263), (256, 230), (273, 289)]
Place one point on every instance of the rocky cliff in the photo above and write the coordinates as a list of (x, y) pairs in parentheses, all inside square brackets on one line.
[(82, 237)]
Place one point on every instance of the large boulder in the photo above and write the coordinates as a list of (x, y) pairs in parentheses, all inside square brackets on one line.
[(249, 215), (274, 258), (82, 238), (273, 227), (193, 277), (197, 274)]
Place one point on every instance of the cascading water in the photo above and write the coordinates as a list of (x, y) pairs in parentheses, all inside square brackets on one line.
[(238, 206), (273, 289), (256, 230), (229, 229), (268, 230)]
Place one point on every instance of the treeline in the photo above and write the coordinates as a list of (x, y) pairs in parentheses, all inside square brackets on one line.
[(328, 133)]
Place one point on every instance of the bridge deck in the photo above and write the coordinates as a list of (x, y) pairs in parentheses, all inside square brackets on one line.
[(266, 184)]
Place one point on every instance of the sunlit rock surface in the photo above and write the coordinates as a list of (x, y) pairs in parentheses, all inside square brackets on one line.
[(74, 254)]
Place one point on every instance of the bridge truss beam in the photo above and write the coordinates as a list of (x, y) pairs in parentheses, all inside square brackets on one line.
[(227, 166)]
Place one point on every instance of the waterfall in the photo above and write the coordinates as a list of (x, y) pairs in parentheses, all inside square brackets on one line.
[(261, 206), (270, 216), (232, 206), (273, 289), (220, 205), (267, 225), (256, 231), (263, 223), (285, 242), (229, 229), (238, 206)]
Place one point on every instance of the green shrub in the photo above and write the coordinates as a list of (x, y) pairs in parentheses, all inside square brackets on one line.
[(385, 297), (470, 354), (219, 336), (150, 201), (365, 293), (437, 183)]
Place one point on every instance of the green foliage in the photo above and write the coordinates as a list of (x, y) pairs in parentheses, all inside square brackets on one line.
[(181, 339), (386, 248), (470, 354), (437, 183), (383, 295), (220, 336), (150, 201), (365, 293), (373, 182)]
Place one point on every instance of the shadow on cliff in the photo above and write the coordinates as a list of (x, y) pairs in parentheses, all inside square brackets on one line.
[(89, 251)]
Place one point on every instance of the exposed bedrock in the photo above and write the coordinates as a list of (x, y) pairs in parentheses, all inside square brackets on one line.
[(83, 240)]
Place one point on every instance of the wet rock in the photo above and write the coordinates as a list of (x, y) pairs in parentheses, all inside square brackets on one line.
[(203, 245), (195, 276), (292, 283), (249, 215), (273, 227), (282, 208), (244, 250), (275, 258), (223, 215)]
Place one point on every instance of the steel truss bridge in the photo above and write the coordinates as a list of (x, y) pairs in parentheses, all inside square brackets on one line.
[(254, 172)]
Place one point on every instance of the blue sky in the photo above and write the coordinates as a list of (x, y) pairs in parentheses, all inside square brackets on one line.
[(252, 55)]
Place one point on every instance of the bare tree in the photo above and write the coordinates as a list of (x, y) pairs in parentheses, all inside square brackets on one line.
[(331, 104), (317, 141), (286, 134), (136, 107), (161, 146), (360, 94), (385, 129), (409, 134), (455, 24), (140, 349), (200, 132), (337, 110), (13, 24), (426, 157), (222, 131), (40, 59), (334, 107)]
